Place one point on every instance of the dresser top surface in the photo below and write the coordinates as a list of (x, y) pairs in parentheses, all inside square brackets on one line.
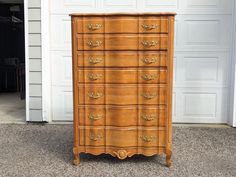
[(125, 14)]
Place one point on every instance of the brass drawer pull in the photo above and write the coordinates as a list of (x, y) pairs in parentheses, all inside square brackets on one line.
[(148, 77), (94, 43), (150, 43), (93, 117), (148, 138), (148, 117), (149, 96), (94, 137), (94, 60), (149, 61), (94, 77), (150, 27), (95, 95), (94, 27)]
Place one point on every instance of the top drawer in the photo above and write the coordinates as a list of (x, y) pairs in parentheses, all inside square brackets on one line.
[(122, 24)]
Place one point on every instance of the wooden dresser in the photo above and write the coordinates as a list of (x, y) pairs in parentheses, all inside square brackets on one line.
[(122, 84)]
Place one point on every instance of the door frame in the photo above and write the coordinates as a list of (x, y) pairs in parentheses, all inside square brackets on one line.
[(46, 69), (46, 76), (26, 25), (232, 92)]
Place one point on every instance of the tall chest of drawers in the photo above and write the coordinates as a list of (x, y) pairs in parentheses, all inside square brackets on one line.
[(122, 84)]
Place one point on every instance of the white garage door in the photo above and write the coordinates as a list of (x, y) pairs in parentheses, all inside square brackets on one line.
[(202, 54)]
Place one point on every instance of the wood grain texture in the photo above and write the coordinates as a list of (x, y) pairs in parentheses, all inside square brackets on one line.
[(122, 42), (122, 84), (117, 94), (122, 59), (122, 116), (121, 24), (121, 137), (123, 76)]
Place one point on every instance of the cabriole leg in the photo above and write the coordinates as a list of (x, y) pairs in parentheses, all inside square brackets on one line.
[(168, 158), (76, 160)]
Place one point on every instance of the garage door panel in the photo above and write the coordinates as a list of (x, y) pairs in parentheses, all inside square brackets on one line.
[(201, 69), (61, 68), (206, 6), (203, 32), (60, 30), (70, 6), (62, 103), (201, 105)]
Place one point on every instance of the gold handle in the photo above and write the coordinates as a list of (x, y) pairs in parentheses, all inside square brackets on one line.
[(94, 60), (95, 95), (149, 43), (94, 43), (148, 77), (148, 138), (94, 77), (149, 96), (95, 117), (148, 117), (94, 27), (150, 27), (149, 61), (94, 137)]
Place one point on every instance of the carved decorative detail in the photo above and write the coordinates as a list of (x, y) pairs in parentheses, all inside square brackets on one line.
[(121, 154)]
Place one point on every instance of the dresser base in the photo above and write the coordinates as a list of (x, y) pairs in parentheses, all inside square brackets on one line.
[(121, 153)]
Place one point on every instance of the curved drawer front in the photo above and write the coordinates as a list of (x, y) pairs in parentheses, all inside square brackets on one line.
[(121, 59), (122, 116), (122, 137), (122, 42), (117, 94), (122, 76), (122, 24)]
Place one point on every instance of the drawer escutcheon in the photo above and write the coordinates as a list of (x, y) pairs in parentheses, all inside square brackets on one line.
[(93, 44), (149, 43), (95, 95), (93, 117), (150, 27), (149, 61), (94, 60), (94, 27), (94, 137), (148, 77), (149, 96), (148, 117), (94, 77), (148, 138)]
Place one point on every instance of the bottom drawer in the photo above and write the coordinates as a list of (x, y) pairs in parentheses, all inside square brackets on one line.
[(121, 137)]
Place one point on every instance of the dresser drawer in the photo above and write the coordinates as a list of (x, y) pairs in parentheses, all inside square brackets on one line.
[(122, 137), (121, 59), (122, 42), (122, 24), (122, 115), (117, 94), (122, 76)]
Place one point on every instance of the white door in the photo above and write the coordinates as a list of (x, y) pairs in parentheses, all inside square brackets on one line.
[(202, 54)]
